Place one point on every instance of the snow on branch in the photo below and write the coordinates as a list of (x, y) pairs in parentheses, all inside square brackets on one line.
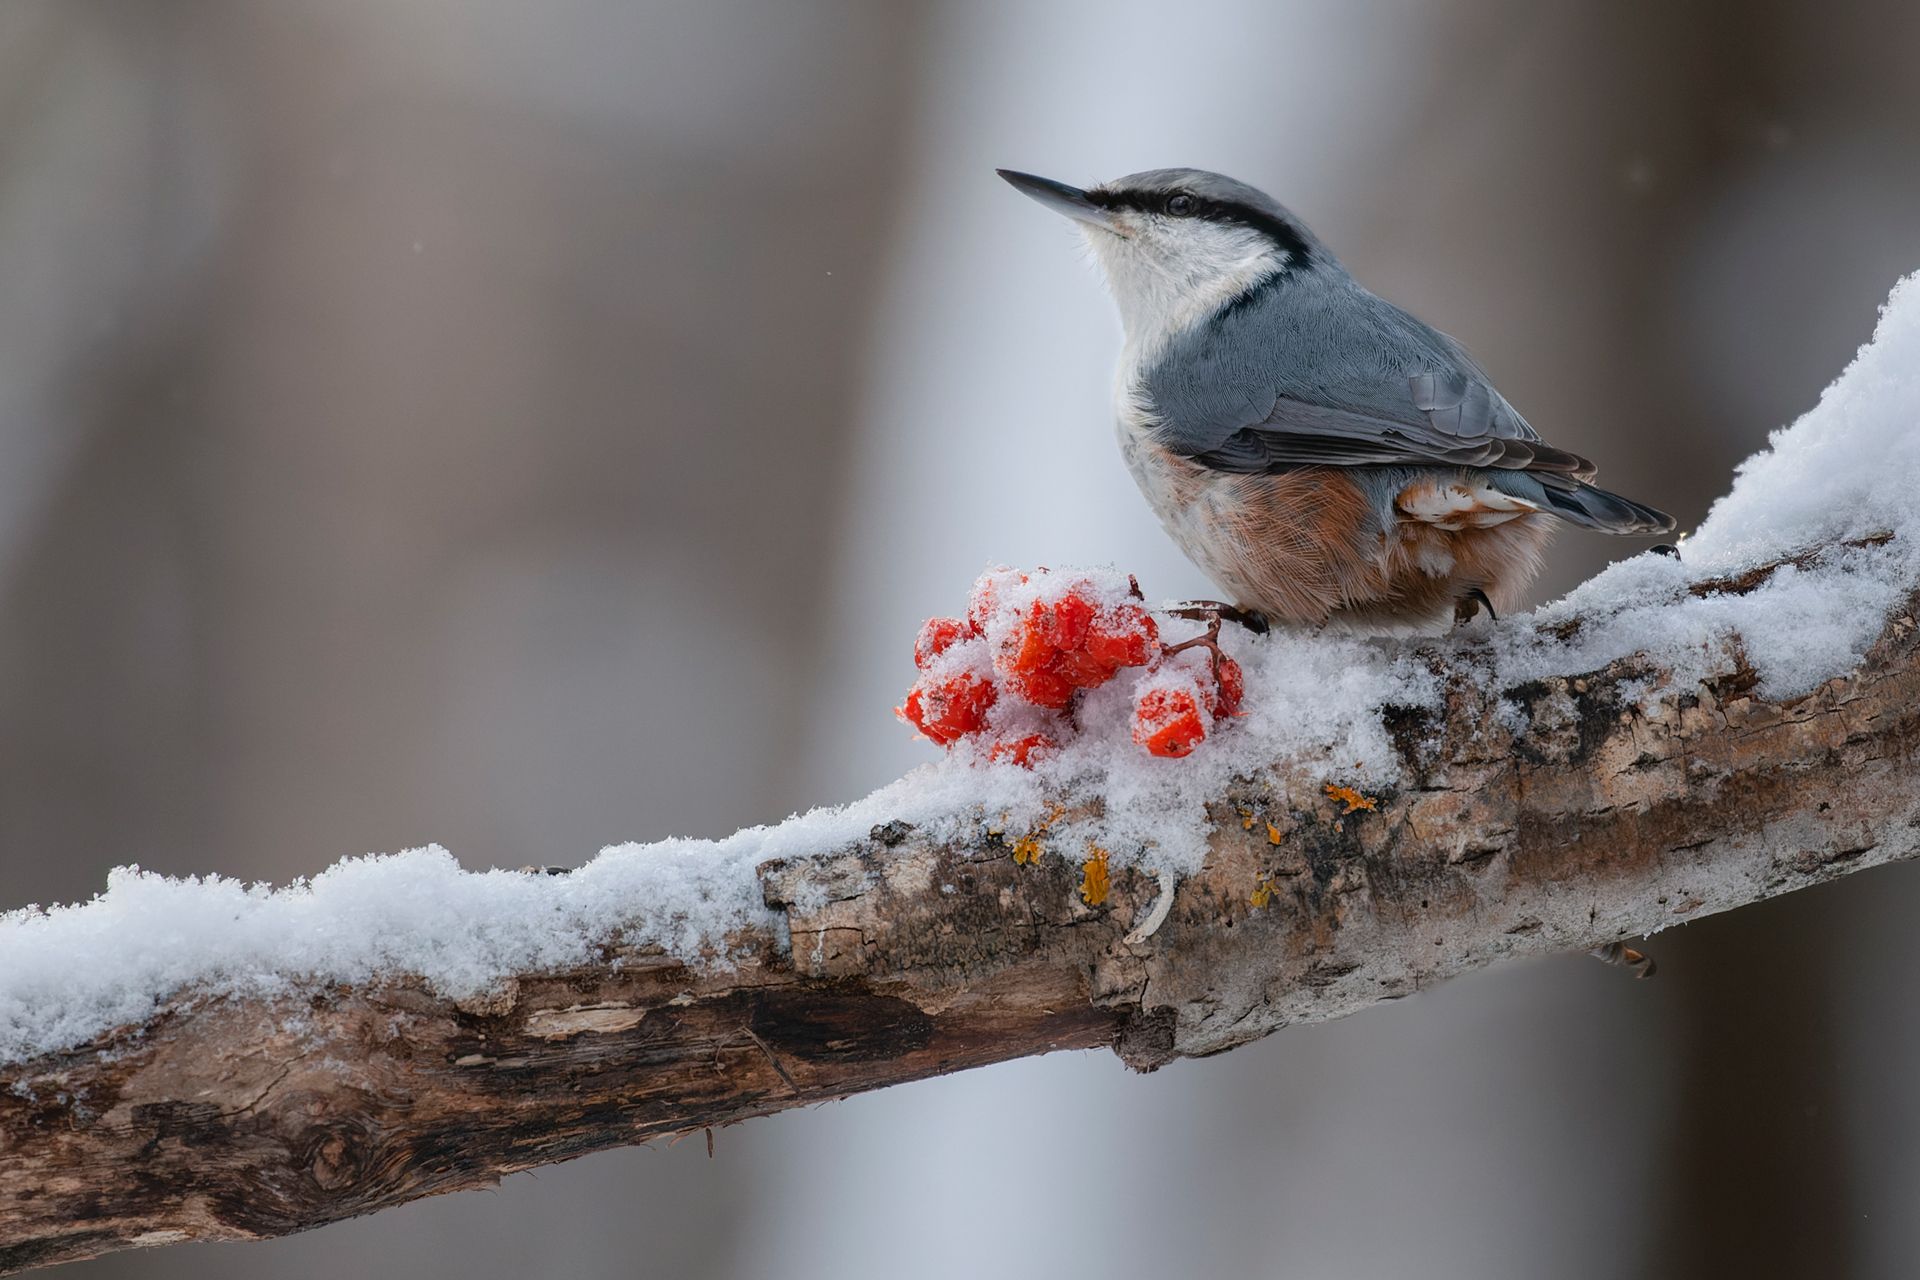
[(200, 1059)]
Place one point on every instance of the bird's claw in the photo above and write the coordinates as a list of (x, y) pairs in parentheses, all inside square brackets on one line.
[(1217, 611), (1468, 607)]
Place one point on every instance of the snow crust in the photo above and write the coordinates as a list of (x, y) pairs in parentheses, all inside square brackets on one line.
[(1848, 469)]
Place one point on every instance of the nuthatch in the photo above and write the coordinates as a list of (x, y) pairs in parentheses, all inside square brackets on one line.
[(1318, 452)]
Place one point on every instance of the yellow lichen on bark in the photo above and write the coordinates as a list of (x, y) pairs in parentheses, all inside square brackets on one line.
[(1350, 798), (1094, 881)]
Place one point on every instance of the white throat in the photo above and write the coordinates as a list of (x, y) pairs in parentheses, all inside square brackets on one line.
[(1164, 287)]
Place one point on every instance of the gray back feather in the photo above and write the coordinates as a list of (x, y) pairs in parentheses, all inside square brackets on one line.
[(1311, 369)]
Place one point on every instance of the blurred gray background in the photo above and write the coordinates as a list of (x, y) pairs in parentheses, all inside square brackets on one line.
[(528, 427)]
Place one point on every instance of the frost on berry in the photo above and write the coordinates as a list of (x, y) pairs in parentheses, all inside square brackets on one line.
[(1023, 751), (1016, 678), (1053, 635), (1065, 621), (1230, 687), (947, 708), (1123, 636), (937, 635), (1169, 721), (984, 601), (1043, 687)]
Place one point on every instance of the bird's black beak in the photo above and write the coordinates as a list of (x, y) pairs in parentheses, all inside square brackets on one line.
[(1060, 198)]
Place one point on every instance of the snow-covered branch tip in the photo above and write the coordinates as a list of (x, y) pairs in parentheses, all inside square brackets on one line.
[(207, 1060)]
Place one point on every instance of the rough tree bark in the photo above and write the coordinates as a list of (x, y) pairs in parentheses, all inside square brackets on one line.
[(1609, 816)]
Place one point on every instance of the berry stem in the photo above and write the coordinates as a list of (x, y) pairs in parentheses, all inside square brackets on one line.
[(1209, 639)]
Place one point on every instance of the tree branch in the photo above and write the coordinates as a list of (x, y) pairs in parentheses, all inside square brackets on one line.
[(1621, 805)]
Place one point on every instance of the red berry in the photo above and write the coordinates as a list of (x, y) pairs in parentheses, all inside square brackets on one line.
[(1043, 687), (1232, 688), (1030, 657), (984, 599), (1050, 628), (1023, 750), (1125, 636), (1084, 670), (948, 709), (1168, 722), (937, 635), (1066, 620), (912, 710), (1070, 643), (1026, 648)]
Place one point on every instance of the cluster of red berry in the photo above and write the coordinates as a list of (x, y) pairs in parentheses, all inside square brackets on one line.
[(1170, 717), (1042, 639)]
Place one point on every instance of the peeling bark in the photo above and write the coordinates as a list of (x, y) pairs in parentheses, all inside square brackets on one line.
[(1607, 816)]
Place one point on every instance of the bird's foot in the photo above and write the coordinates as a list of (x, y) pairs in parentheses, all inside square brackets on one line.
[(1218, 611), (1468, 607), (1619, 954)]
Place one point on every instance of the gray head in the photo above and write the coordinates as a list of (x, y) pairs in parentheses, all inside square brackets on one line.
[(1178, 244)]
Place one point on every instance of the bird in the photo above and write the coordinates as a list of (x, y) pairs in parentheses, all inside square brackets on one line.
[(1320, 454)]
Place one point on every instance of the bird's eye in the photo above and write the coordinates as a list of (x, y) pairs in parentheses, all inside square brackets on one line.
[(1180, 205)]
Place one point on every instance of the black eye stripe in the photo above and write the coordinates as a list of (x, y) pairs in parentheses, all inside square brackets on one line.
[(1232, 212)]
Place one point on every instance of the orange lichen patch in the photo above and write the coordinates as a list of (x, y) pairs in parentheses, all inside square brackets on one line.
[(1027, 849), (1350, 798), (1262, 892), (1246, 819), (1094, 881), (1273, 834)]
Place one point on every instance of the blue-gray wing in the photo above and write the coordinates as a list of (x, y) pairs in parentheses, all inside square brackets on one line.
[(1339, 378)]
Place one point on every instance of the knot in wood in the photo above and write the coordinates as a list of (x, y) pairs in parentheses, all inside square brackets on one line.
[(335, 1157)]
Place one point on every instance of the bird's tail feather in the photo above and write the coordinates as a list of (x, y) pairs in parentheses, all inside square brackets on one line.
[(1582, 504), (1607, 512)]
